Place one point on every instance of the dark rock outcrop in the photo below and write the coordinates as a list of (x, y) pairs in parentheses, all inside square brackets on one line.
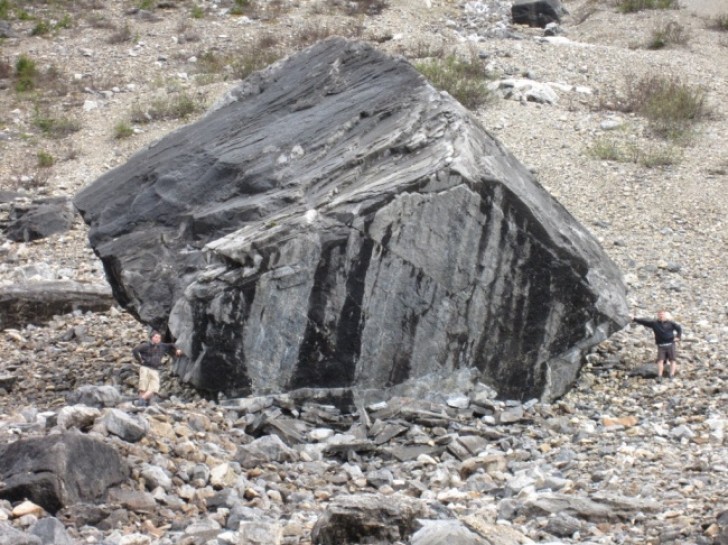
[(337, 222), (536, 13), (39, 219), (58, 470)]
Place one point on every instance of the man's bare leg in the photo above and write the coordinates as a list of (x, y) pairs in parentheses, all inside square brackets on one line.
[(660, 367)]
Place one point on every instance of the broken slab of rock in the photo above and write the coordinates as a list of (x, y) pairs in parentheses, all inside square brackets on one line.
[(368, 518), (337, 222), (59, 470), (38, 302)]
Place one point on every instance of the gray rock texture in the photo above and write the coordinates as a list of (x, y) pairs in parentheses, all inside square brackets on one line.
[(59, 470), (337, 222)]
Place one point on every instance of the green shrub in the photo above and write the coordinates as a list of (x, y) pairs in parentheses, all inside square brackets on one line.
[(612, 149), (463, 79), (41, 28), (197, 12), (5, 9), (672, 33), (720, 23), (241, 7), (670, 106), (26, 74), (45, 159), (631, 6), (64, 22), (55, 127), (178, 106), (122, 130)]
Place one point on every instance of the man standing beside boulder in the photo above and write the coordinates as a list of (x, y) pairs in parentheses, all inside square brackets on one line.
[(666, 333), (150, 355)]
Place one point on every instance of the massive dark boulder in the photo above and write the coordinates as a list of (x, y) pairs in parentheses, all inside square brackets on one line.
[(335, 221), (536, 13), (59, 470)]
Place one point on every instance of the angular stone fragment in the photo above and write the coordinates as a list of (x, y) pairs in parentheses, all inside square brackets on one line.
[(367, 518), (336, 222), (37, 302), (59, 470)]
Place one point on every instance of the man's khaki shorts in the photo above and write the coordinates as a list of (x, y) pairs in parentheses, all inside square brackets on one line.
[(148, 380)]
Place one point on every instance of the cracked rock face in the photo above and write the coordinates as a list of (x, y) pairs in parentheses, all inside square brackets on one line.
[(337, 222)]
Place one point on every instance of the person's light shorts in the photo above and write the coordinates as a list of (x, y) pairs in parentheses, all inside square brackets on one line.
[(148, 380)]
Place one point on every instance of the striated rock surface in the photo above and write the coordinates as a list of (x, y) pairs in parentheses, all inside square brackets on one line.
[(336, 222)]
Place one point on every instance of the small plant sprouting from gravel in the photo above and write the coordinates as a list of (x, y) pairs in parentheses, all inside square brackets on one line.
[(720, 23), (178, 106), (123, 130), (672, 33), (55, 127), (671, 107), (612, 149), (631, 6), (197, 12), (26, 74), (464, 79), (45, 159)]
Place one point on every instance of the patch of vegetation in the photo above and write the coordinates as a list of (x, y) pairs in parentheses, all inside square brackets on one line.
[(720, 23), (611, 149), (26, 74), (5, 7), (122, 35), (147, 4), (179, 106), (55, 127), (45, 159), (672, 33), (631, 6), (464, 79), (671, 107), (41, 28), (123, 130), (242, 7), (197, 12)]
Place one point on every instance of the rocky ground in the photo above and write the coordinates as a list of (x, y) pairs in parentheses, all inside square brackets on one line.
[(620, 459)]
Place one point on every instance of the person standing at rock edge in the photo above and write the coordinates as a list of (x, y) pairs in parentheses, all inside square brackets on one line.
[(150, 355), (667, 333)]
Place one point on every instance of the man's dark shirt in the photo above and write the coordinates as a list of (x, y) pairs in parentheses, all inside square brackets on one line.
[(150, 355), (664, 331)]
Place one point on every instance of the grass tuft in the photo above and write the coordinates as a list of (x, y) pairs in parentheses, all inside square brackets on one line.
[(631, 6), (26, 74), (178, 106), (671, 107), (672, 33), (611, 149), (464, 79)]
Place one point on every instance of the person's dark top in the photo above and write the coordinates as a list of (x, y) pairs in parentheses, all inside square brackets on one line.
[(150, 355), (665, 332)]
